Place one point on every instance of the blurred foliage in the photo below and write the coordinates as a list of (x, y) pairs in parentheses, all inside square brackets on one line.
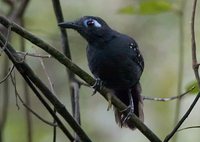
[(191, 85), (148, 7)]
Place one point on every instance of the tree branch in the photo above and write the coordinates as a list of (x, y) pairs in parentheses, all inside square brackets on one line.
[(168, 99), (74, 93), (27, 107), (34, 55), (9, 73), (60, 124), (49, 49), (190, 127), (195, 65), (31, 78)]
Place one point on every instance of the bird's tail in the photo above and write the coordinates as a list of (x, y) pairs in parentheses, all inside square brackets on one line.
[(138, 105)]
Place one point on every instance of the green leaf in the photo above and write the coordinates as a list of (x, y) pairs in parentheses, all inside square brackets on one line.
[(127, 10), (154, 7), (191, 85)]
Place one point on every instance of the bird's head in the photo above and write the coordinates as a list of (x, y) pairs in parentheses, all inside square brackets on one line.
[(90, 27)]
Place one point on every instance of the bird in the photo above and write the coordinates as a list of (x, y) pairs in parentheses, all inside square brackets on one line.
[(116, 63)]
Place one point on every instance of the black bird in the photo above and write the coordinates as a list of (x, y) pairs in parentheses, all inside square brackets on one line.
[(115, 60)]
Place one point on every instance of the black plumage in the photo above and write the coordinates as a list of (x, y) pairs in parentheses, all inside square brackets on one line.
[(115, 59)]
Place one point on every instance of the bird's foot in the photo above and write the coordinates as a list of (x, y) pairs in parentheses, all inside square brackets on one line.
[(98, 85), (127, 113)]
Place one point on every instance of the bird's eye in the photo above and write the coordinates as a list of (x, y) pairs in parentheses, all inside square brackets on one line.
[(91, 23)]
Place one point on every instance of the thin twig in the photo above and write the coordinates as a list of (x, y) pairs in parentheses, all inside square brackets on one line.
[(7, 38), (27, 107), (12, 11), (191, 127), (65, 46), (48, 77), (21, 67), (49, 49), (53, 91), (9, 73), (31, 78), (168, 99), (16, 92), (60, 124), (34, 55), (195, 64)]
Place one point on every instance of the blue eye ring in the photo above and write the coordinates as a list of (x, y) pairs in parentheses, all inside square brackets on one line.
[(91, 23)]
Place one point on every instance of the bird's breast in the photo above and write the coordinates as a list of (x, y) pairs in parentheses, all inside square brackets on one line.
[(113, 67)]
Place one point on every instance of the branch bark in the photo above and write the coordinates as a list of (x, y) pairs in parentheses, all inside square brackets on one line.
[(33, 81)]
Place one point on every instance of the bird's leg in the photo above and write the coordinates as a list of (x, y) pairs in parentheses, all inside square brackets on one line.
[(129, 109), (98, 85)]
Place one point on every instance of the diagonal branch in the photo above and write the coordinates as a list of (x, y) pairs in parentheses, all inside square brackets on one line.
[(60, 124), (33, 81), (82, 74), (49, 49)]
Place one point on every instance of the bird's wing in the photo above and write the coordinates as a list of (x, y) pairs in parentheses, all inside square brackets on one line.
[(135, 53)]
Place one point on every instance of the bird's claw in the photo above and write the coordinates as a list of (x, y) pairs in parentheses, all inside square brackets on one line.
[(127, 113), (98, 85)]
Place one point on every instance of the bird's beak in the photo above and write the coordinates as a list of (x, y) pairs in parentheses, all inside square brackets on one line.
[(69, 25)]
